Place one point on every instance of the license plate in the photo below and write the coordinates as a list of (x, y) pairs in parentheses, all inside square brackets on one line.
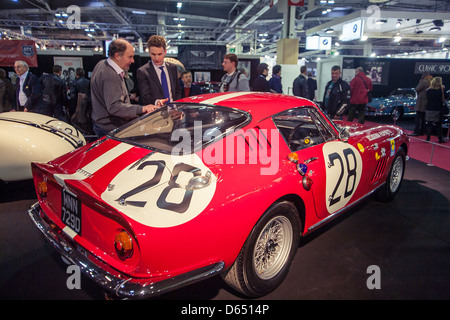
[(71, 211)]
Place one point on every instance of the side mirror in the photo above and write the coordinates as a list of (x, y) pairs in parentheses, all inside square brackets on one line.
[(344, 134)]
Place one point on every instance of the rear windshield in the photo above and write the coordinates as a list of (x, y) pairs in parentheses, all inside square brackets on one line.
[(182, 128)]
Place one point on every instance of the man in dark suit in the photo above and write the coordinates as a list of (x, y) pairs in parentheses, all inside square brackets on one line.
[(300, 86), (28, 89), (111, 105), (158, 79), (53, 93), (188, 89)]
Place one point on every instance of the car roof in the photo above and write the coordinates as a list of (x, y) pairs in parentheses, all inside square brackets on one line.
[(259, 104)]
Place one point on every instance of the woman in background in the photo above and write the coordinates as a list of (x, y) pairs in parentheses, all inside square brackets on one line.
[(435, 108)]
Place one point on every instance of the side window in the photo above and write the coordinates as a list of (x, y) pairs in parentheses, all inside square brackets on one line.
[(302, 128)]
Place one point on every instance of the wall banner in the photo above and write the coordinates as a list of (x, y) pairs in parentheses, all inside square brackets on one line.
[(433, 67), (13, 50)]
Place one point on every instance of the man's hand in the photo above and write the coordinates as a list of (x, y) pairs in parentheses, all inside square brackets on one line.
[(149, 108), (161, 102)]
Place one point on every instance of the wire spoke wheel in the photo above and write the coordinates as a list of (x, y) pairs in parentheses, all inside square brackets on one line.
[(397, 174), (273, 247)]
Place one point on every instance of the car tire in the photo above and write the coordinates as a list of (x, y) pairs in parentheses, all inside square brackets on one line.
[(394, 179), (266, 256)]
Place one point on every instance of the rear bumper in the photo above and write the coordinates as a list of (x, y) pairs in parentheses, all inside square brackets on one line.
[(122, 287)]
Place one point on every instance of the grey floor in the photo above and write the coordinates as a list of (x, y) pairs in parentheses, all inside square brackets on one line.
[(408, 239)]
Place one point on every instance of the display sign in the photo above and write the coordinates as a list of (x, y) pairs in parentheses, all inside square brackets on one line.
[(13, 50), (352, 30), (201, 57), (312, 42), (325, 43), (69, 66), (377, 71), (318, 43), (432, 67)]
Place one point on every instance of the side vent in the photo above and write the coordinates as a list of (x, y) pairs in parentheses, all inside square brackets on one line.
[(255, 138), (380, 169)]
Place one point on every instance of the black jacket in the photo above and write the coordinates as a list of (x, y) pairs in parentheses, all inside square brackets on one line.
[(435, 100), (261, 84), (79, 85), (195, 90), (53, 90), (300, 87), (339, 96)]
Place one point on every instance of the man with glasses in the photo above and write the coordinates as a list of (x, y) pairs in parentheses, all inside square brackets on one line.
[(233, 80)]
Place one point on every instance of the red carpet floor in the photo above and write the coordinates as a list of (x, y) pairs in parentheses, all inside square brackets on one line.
[(431, 153)]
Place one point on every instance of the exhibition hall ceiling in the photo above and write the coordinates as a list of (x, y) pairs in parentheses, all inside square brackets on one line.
[(253, 26)]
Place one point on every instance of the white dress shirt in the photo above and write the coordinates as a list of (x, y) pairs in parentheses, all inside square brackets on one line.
[(22, 96), (158, 72)]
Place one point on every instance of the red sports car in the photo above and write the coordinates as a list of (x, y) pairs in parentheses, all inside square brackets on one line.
[(222, 183)]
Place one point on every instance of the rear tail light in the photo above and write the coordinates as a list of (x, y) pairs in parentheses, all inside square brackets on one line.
[(123, 243), (42, 188)]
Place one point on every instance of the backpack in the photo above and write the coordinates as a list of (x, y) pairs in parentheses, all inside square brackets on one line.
[(81, 119)]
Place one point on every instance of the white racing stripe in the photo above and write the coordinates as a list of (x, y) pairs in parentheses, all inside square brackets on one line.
[(225, 97), (94, 165)]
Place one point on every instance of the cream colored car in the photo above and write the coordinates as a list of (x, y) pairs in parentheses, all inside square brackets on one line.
[(26, 137)]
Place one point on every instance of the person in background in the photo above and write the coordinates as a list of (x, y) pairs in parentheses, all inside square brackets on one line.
[(9, 94), (435, 108), (336, 96), (261, 84), (300, 87), (421, 104), (28, 89), (359, 88), (275, 81), (233, 80), (79, 85), (188, 88), (111, 106), (312, 87), (2, 93), (53, 93), (158, 79)]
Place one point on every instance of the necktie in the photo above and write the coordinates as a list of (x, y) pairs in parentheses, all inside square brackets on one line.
[(164, 84)]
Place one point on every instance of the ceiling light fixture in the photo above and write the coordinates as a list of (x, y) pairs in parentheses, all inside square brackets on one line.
[(434, 29), (329, 30), (399, 23), (441, 40)]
